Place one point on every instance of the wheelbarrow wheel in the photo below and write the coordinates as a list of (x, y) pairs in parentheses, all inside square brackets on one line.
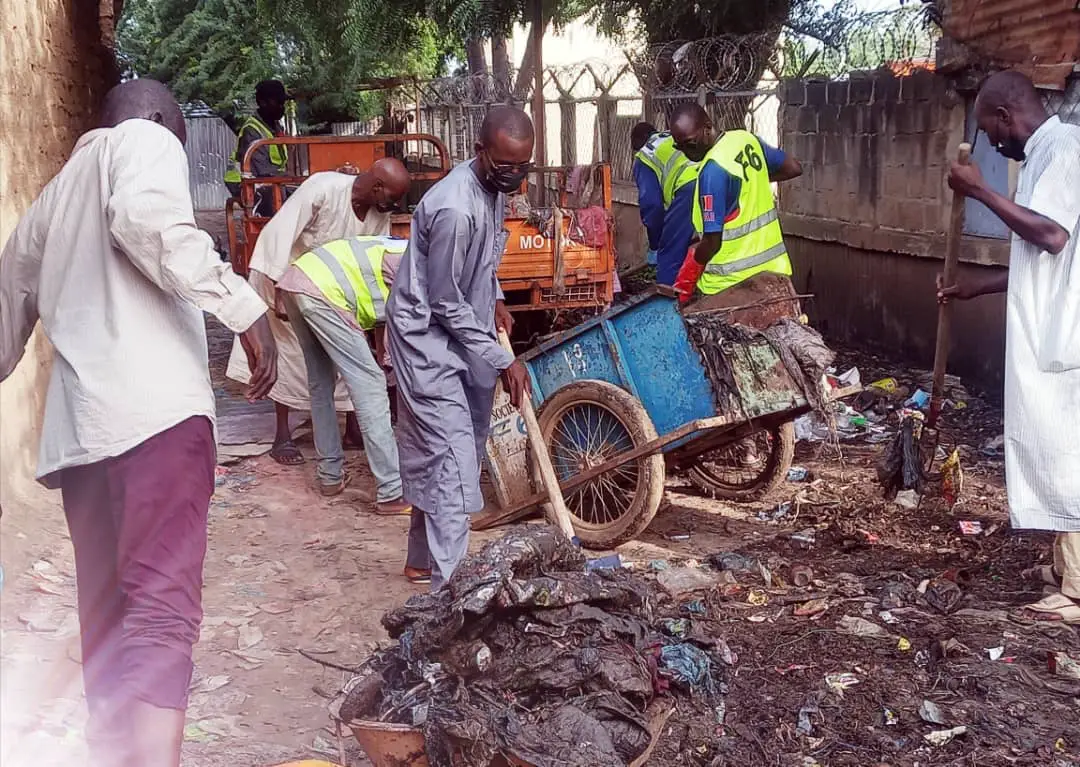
[(585, 424), (739, 473)]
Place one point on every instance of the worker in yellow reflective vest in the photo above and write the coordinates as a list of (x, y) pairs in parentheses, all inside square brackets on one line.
[(332, 296), (665, 181), (734, 210), (272, 160)]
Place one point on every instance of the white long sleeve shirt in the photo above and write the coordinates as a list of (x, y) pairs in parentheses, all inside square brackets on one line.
[(109, 259), (318, 212), (1042, 405)]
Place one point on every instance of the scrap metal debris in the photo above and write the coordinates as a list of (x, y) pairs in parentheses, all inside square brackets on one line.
[(528, 655)]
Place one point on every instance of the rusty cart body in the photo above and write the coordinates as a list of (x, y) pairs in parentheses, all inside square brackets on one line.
[(625, 396), (540, 270)]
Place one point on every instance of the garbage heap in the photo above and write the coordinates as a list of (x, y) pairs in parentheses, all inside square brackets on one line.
[(530, 654), (800, 348)]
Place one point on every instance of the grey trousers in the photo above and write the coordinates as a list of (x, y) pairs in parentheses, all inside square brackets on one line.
[(328, 342), (437, 542)]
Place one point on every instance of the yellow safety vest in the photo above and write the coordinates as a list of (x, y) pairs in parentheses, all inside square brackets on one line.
[(349, 275), (279, 154), (753, 241), (662, 158)]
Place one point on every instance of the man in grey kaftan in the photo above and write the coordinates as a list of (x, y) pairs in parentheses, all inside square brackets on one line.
[(441, 334)]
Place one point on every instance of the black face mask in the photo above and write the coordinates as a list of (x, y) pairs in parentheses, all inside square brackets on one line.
[(694, 152), (507, 180), (1013, 148)]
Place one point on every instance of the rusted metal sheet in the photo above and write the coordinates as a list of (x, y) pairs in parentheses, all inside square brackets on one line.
[(1039, 37)]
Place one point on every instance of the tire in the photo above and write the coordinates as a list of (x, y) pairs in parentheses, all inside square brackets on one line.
[(707, 476), (617, 506)]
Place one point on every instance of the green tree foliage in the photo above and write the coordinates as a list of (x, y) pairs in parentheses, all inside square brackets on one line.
[(215, 51)]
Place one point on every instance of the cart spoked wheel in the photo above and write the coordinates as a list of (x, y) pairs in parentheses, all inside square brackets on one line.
[(750, 468), (585, 424)]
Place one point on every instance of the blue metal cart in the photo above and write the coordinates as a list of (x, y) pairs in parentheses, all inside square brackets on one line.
[(625, 395)]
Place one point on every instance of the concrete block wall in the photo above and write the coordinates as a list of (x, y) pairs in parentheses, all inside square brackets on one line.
[(875, 147), (866, 223)]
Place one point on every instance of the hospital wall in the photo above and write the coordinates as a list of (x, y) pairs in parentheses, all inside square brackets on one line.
[(55, 62)]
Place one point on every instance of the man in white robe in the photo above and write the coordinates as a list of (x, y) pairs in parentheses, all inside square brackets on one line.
[(328, 206), (1042, 350)]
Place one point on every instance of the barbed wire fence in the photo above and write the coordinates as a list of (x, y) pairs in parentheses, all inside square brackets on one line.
[(592, 106)]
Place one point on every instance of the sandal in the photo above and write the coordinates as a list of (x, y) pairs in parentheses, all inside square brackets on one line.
[(287, 454), (1054, 608), (418, 576), (1043, 574)]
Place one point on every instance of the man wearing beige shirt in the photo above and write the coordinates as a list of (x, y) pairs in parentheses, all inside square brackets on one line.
[(326, 207), (108, 258)]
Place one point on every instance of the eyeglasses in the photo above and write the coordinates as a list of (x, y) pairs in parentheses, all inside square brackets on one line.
[(515, 167)]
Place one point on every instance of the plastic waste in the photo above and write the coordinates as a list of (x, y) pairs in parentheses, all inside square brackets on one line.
[(952, 478), (611, 562), (1062, 665), (907, 499), (970, 526), (943, 737), (932, 713), (798, 474), (919, 400), (841, 682)]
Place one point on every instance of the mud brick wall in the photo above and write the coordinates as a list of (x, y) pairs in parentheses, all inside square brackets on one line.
[(55, 64), (867, 221)]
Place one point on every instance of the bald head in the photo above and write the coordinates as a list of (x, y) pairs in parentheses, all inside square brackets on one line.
[(1008, 110), (692, 130), (381, 186), (142, 99), (507, 121)]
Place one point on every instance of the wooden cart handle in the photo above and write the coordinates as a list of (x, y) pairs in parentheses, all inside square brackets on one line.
[(543, 460)]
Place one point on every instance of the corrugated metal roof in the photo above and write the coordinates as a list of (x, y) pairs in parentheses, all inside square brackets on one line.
[(1040, 37)]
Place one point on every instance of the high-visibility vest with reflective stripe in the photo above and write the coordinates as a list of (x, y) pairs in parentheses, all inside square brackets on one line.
[(279, 154), (349, 275), (753, 241), (662, 158)]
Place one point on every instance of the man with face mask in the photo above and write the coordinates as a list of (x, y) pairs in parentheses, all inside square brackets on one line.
[(328, 206), (1042, 355), (441, 331), (665, 180), (734, 210)]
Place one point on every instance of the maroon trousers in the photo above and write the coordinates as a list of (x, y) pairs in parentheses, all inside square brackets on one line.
[(138, 526)]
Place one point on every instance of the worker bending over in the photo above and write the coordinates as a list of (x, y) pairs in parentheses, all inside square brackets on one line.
[(665, 179), (734, 210), (328, 206), (333, 295), (441, 330)]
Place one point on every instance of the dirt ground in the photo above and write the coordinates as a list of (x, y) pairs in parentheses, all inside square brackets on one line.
[(288, 570)]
